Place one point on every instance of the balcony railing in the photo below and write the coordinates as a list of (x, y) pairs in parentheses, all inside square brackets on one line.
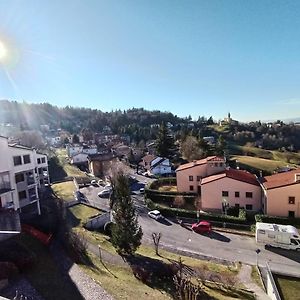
[(5, 186)]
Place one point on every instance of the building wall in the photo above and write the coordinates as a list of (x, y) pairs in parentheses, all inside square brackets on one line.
[(277, 200), (211, 197), (183, 182)]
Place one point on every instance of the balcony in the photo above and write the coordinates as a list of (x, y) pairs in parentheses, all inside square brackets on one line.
[(5, 187), (30, 178)]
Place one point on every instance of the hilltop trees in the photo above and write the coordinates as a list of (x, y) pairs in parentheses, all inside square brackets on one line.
[(164, 142), (126, 234)]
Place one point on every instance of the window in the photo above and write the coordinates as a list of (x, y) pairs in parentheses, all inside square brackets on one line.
[(191, 178), (198, 178), (19, 177), (291, 214), (191, 187), (43, 160), (225, 193), (40, 171), (38, 160), (26, 159), (261, 231), (291, 200), (22, 195), (221, 165), (248, 194), (17, 160), (216, 164), (237, 205), (237, 194), (294, 242), (249, 207), (32, 194)]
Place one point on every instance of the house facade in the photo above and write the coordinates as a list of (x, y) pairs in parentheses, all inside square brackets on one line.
[(231, 188), (281, 194), (156, 165), (79, 159), (189, 175), (23, 172), (99, 163)]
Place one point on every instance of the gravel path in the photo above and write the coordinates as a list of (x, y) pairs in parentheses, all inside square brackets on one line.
[(87, 287), (245, 278)]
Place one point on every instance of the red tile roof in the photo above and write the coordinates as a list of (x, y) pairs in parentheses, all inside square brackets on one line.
[(280, 179), (199, 162), (238, 175)]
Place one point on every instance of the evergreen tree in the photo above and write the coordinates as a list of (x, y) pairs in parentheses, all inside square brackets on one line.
[(164, 142), (75, 139), (126, 234)]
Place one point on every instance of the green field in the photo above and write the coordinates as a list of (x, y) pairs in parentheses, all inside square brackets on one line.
[(80, 213), (288, 287), (64, 190)]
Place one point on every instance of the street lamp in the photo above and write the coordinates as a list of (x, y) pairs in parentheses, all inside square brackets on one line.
[(257, 252)]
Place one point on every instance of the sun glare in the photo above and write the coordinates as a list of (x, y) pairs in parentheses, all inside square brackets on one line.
[(2, 51)]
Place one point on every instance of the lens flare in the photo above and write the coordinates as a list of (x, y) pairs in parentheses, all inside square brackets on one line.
[(2, 51)]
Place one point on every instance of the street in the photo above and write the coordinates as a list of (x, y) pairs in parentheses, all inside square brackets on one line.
[(219, 246)]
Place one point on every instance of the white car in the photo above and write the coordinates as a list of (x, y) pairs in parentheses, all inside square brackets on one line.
[(142, 190), (94, 182), (105, 193), (155, 214)]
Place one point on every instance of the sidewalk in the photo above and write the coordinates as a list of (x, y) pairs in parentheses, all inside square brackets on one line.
[(245, 278)]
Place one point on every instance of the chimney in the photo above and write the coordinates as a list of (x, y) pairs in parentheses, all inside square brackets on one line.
[(297, 177)]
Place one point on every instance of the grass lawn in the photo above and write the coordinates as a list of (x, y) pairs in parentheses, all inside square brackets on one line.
[(45, 275), (128, 287), (288, 287), (257, 163), (64, 190), (255, 276), (70, 170), (80, 213), (168, 188)]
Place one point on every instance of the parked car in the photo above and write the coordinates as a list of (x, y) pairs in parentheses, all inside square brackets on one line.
[(101, 182), (202, 227), (105, 193), (155, 214), (94, 182)]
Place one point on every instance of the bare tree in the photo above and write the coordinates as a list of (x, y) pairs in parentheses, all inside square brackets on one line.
[(156, 239)]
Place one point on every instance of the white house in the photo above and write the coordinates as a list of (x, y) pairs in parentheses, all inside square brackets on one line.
[(90, 149), (156, 165), (23, 172), (73, 149), (79, 158)]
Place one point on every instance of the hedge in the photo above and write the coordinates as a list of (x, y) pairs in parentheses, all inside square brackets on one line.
[(163, 181), (173, 212), (277, 220)]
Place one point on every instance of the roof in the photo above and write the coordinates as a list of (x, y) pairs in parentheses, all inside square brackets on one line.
[(158, 163), (280, 179), (148, 158), (239, 175), (100, 157), (20, 147), (199, 162)]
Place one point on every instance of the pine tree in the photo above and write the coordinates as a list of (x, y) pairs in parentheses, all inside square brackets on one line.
[(164, 142), (126, 234)]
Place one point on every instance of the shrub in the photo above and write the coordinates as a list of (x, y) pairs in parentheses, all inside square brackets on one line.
[(140, 273), (17, 254), (277, 220), (242, 214)]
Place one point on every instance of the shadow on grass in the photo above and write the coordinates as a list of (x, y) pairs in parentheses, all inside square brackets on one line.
[(153, 272), (56, 170)]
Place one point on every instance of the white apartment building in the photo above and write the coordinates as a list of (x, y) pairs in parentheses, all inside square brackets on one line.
[(23, 172)]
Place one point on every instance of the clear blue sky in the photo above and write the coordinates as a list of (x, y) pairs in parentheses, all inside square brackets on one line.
[(188, 57)]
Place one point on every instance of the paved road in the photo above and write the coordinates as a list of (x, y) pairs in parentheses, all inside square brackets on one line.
[(227, 246)]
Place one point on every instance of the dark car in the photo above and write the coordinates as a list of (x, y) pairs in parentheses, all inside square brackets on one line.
[(79, 196), (202, 227)]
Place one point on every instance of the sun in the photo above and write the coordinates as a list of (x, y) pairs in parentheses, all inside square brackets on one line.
[(3, 51)]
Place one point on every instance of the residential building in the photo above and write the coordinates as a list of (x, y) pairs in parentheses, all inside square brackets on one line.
[(189, 175), (23, 172), (281, 194), (156, 165), (79, 159), (73, 149), (99, 163), (230, 188)]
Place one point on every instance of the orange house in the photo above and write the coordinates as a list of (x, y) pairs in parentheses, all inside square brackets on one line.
[(189, 175), (281, 194), (232, 187)]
